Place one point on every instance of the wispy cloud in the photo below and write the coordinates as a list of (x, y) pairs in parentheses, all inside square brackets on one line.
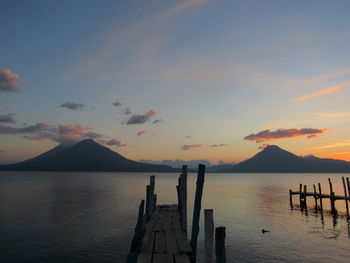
[(117, 103), (217, 145), (72, 106), (141, 118), (8, 118), (326, 77), (9, 81), (65, 134), (268, 135), (187, 147), (334, 145), (321, 92), (141, 133), (333, 114)]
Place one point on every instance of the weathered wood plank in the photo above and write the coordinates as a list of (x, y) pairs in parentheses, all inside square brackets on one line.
[(144, 258), (147, 242), (182, 242), (159, 247), (163, 258), (181, 258)]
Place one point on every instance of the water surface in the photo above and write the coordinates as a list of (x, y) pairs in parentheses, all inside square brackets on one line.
[(90, 217)]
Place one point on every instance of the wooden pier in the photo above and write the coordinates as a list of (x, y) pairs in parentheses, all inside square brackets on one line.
[(319, 196), (161, 231)]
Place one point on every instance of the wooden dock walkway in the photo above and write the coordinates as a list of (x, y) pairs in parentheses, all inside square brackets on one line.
[(161, 231), (164, 241)]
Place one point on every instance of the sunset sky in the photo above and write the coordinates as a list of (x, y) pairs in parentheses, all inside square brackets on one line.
[(189, 79)]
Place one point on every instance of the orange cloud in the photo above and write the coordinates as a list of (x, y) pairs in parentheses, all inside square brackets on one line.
[(187, 147), (268, 135), (141, 133), (322, 92), (334, 145)]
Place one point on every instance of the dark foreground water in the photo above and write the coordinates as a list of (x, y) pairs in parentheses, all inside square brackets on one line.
[(90, 217)]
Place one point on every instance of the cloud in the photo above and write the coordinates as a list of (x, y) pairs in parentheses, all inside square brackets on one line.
[(187, 147), (65, 134), (322, 92), (117, 103), (334, 145), (72, 106), (141, 133), (113, 142), (333, 115), (136, 147), (141, 118), (8, 118), (127, 111), (268, 135), (217, 145), (326, 77), (188, 137), (263, 146), (93, 135), (157, 121), (9, 82)]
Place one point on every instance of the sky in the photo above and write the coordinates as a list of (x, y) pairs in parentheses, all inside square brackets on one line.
[(164, 80)]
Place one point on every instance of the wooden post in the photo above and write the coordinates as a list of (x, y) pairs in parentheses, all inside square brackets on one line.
[(305, 188), (149, 198), (320, 192), (315, 197), (290, 198), (154, 202), (183, 190), (179, 196), (332, 196), (139, 231), (208, 235), (152, 183), (301, 195), (220, 251), (346, 195), (197, 206), (348, 184)]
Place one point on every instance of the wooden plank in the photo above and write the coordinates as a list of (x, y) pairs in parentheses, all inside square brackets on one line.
[(147, 242), (182, 242), (159, 247), (163, 258), (171, 244), (182, 258), (144, 258), (208, 234)]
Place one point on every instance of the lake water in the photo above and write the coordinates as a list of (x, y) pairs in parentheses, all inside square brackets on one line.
[(90, 217)]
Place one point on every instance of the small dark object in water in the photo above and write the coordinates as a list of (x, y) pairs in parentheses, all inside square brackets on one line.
[(264, 231)]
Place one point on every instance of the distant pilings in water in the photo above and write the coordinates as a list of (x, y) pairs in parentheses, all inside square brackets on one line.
[(319, 196)]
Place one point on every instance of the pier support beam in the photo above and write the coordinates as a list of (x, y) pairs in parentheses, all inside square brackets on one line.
[(320, 196), (220, 250), (197, 206), (208, 235)]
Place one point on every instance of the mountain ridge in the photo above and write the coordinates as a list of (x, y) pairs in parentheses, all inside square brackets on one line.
[(86, 155)]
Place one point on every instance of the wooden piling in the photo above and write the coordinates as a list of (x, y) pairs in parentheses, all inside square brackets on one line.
[(332, 199), (138, 234), (149, 199), (183, 191), (290, 198), (179, 197), (305, 191), (320, 196), (208, 235), (315, 196), (348, 184), (197, 206), (346, 195), (220, 251), (300, 196)]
